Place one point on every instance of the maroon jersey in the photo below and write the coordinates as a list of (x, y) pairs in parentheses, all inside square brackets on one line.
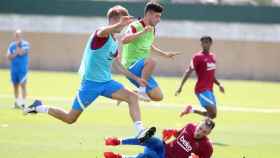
[(204, 66), (185, 144), (98, 42)]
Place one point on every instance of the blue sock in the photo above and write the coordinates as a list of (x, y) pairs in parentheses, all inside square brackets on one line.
[(130, 141)]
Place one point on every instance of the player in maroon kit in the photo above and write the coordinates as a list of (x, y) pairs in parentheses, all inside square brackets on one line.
[(189, 142), (204, 64)]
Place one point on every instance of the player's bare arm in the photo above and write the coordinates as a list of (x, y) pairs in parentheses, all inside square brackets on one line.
[(115, 28), (163, 53), (124, 71), (11, 56), (130, 37), (185, 78), (221, 87)]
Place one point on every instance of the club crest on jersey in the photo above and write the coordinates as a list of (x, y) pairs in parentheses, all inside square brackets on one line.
[(111, 56), (211, 66), (184, 144)]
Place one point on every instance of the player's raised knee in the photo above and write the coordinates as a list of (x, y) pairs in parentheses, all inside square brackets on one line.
[(132, 96), (150, 62), (157, 97)]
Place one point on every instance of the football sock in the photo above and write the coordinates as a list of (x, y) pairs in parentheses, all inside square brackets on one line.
[(138, 126), (142, 89), (42, 109), (130, 141)]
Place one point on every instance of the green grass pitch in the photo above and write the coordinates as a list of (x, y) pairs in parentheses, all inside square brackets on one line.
[(247, 124)]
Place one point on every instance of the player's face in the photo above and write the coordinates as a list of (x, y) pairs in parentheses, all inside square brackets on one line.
[(18, 37), (154, 18), (201, 131), (115, 20), (206, 45)]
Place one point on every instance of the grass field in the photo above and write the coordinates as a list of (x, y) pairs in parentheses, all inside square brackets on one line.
[(247, 124)]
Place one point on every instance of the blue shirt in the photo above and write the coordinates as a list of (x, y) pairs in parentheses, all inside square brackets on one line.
[(20, 62), (96, 63)]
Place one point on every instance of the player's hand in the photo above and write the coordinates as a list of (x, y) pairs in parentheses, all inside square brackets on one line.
[(193, 156), (172, 54), (148, 28), (125, 20), (222, 89), (178, 91), (142, 82)]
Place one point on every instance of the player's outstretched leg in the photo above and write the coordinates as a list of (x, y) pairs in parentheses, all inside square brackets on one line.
[(153, 147), (38, 107), (134, 110), (32, 108), (139, 140), (187, 110), (210, 112)]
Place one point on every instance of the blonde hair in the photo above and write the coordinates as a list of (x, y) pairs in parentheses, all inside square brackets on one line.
[(117, 11)]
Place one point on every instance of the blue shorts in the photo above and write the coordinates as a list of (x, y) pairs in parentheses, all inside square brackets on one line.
[(206, 98), (154, 148), (18, 77), (90, 90), (136, 69)]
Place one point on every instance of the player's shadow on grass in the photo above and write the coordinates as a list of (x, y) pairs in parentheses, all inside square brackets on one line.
[(220, 144)]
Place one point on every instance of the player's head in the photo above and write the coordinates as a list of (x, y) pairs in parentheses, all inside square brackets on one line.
[(206, 42), (18, 35), (115, 13), (204, 128), (153, 11)]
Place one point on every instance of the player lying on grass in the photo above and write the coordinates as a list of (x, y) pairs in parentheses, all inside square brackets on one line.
[(189, 142), (204, 64), (99, 54)]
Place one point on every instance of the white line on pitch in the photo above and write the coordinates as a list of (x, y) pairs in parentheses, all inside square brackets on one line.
[(158, 105)]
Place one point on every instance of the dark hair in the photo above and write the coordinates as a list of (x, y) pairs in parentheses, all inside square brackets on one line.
[(206, 38), (209, 123), (153, 6)]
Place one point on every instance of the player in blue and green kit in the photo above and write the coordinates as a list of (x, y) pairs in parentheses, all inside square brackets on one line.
[(17, 53), (138, 43), (100, 52)]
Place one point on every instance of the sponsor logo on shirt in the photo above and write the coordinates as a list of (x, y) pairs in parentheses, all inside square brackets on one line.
[(211, 66), (184, 144)]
